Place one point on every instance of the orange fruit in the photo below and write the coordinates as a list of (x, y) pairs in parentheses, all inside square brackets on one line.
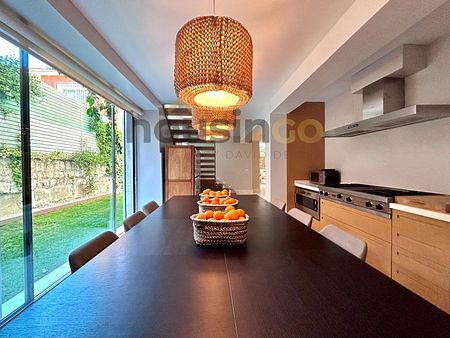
[(229, 208), (241, 212), (225, 191), (215, 202), (218, 215), (201, 216), (242, 218), (209, 214), (205, 199), (232, 215), (211, 219), (216, 199), (221, 201)]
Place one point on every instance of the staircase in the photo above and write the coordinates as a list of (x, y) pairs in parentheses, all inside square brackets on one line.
[(179, 120)]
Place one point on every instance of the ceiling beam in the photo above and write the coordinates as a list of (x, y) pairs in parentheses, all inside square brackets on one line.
[(73, 15)]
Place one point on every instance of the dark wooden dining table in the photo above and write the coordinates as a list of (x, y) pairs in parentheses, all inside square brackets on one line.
[(286, 281)]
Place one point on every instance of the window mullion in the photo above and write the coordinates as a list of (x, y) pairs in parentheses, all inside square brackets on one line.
[(113, 172), (26, 177)]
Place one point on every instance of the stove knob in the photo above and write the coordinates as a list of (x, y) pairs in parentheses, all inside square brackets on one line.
[(379, 206), (321, 192), (349, 199), (369, 204), (339, 195), (326, 193)]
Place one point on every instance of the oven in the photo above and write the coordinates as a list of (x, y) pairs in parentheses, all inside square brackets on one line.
[(308, 201)]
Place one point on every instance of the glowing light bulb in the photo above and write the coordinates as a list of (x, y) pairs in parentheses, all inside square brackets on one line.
[(216, 98)]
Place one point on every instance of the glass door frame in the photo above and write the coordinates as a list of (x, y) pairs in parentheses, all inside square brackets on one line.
[(26, 176), (27, 211)]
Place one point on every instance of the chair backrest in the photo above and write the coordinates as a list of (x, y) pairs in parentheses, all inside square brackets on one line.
[(84, 253), (301, 216), (345, 240), (150, 207), (279, 204), (132, 220)]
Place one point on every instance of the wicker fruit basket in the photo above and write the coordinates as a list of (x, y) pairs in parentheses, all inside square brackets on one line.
[(202, 207), (212, 196), (220, 232)]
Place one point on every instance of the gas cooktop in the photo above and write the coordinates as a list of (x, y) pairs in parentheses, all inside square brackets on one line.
[(379, 191), (374, 199)]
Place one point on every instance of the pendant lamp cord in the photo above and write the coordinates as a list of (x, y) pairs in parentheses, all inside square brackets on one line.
[(214, 7)]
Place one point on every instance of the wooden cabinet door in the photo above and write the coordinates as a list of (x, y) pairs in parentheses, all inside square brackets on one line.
[(180, 163), (421, 256), (316, 225), (372, 229), (178, 188)]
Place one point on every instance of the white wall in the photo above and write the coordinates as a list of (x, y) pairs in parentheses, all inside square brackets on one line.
[(277, 154), (148, 163), (234, 165), (413, 157)]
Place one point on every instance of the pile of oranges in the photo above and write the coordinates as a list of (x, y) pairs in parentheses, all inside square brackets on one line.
[(211, 193), (218, 201), (230, 214)]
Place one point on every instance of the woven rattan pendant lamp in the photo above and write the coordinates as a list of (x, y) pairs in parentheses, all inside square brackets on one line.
[(212, 133), (213, 63), (221, 119)]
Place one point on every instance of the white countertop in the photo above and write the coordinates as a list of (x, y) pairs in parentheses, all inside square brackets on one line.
[(421, 212), (306, 185)]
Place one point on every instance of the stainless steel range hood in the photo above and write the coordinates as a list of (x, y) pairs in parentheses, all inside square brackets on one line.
[(395, 119), (382, 86)]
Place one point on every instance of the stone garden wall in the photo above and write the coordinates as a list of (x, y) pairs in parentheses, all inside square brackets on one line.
[(53, 182)]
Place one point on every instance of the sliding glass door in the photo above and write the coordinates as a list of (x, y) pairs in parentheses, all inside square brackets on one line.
[(66, 173), (12, 253), (72, 169), (128, 160)]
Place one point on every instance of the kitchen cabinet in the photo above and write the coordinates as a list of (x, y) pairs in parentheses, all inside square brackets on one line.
[(317, 225), (180, 173), (306, 150), (420, 256), (374, 230)]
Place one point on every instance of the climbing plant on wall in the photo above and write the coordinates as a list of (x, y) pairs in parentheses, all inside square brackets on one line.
[(10, 97), (100, 116), (10, 84)]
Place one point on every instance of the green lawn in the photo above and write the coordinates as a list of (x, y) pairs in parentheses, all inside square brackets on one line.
[(55, 234)]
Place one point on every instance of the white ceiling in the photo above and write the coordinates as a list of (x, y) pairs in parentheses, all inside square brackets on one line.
[(143, 33)]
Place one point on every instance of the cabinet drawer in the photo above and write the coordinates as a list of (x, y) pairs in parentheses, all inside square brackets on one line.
[(427, 238), (374, 225), (436, 296), (378, 250), (426, 272)]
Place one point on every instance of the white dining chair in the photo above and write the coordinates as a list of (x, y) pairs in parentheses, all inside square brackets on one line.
[(301, 216), (345, 240), (279, 204)]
